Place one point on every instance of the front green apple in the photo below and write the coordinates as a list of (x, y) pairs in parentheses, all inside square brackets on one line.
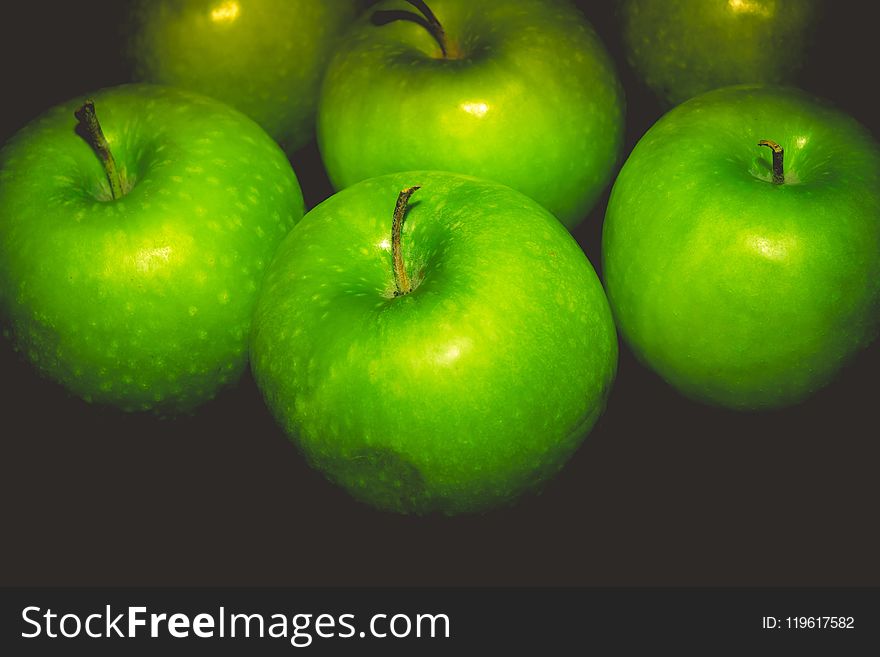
[(264, 57), (525, 94), (682, 48), (457, 390), (747, 277), (136, 289)]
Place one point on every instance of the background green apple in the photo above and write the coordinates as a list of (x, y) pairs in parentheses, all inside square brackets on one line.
[(739, 291), (460, 395), (142, 301), (681, 48), (527, 96), (264, 57)]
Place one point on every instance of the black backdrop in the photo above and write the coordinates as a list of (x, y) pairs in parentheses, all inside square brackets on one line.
[(663, 492)]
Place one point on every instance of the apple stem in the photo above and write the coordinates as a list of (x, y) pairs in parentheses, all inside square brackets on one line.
[(428, 20), (778, 174), (90, 129), (402, 284)]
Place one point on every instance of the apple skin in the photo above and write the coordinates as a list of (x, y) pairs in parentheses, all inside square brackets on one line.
[(534, 102), (737, 291), (682, 48), (142, 302), (264, 57), (459, 396)]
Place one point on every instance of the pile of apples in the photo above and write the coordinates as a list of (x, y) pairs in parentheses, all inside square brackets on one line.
[(431, 336)]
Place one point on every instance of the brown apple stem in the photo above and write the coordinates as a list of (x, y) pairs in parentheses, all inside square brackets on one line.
[(778, 173), (402, 284), (427, 20), (90, 129)]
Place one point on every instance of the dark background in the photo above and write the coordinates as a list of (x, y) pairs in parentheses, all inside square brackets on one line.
[(663, 492)]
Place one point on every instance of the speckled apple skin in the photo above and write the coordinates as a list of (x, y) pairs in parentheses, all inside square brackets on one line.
[(143, 302), (737, 291), (264, 57), (682, 48), (533, 101), (456, 397)]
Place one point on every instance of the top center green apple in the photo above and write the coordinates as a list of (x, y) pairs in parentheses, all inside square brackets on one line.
[(525, 94)]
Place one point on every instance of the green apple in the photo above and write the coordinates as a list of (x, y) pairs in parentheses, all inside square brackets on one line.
[(522, 92), (133, 283), (681, 48), (448, 366), (747, 277), (264, 57)]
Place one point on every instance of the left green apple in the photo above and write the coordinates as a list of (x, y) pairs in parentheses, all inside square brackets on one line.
[(133, 239), (264, 57)]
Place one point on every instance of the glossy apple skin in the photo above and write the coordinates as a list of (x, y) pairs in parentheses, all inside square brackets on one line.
[(737, 291), (142, 302), (459, 396), (534, 101), (264, 57), (682, 48)]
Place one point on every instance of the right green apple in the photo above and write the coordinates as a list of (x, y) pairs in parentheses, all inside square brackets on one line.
[(681, 48), (747, 277)]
